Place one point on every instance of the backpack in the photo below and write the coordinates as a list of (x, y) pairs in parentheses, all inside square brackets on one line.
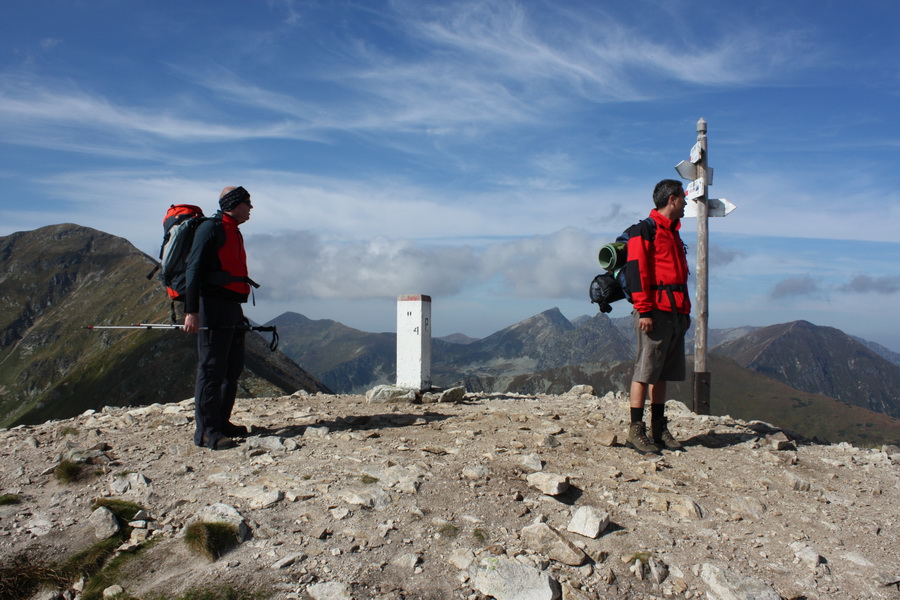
[(179, 225), (612, 285)]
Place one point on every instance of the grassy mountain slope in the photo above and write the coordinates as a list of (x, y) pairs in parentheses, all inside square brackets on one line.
[(57, 279), (821, 360)]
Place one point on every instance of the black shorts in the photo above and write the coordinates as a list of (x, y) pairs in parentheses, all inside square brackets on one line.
[(660, 353)]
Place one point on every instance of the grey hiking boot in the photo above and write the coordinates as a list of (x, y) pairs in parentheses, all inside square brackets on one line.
[(662, 437), (637, 439)]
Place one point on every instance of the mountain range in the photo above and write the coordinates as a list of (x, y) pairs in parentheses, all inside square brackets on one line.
[(56, 280), (815, 380)]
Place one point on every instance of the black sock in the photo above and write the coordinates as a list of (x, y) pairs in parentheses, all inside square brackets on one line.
[(637, 414), (657, 412)]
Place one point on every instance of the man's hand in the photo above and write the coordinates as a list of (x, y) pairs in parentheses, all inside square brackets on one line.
[(192, 322), (645, 323)]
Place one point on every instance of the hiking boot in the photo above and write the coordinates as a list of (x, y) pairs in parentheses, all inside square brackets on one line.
[(637, 439), (662, 437), (223, 443), (232, 430)]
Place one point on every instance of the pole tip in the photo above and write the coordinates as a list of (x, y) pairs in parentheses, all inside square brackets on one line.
[(701, 125)]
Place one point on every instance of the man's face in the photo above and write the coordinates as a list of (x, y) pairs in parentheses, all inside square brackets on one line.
[(241, 212), (678, 203)]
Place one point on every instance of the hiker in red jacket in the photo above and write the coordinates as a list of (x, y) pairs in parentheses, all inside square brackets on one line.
[(217, 285), (657, 275)]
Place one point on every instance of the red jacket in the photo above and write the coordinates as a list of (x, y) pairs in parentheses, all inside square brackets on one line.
[(661, 272)]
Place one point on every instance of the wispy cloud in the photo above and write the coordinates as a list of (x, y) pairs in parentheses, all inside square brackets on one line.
[(865, 284), (795, 287), (57, 114)]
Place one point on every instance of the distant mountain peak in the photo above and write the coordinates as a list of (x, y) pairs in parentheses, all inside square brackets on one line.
[(551, 318)]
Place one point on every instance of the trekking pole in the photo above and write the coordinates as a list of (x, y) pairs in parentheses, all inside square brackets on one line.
[(270, 329), (135, 326)]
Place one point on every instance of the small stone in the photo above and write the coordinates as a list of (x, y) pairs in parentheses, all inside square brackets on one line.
[(725, 583), (532, 462), (462, 558), (407, 561), (607, 438), (329, 590), (389, 394), (580, 390), (105, 523), (504, 579), (475, 472), (658, 570), (686, 507), (589, 522), (806, 555), (779, 441), (544, 539), (551, 484)]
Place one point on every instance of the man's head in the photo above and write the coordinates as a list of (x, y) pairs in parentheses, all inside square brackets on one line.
[(235, 201), (668, 196)]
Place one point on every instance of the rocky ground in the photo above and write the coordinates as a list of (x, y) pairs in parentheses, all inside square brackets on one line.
[(495, 496)]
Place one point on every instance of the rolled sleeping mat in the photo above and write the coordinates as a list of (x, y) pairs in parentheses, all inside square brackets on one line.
[(612, 256)]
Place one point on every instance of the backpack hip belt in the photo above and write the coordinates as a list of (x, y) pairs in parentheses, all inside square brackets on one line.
[(670, 289)]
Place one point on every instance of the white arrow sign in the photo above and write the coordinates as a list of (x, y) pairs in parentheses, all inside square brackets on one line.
[(688, 170), (716, 207)]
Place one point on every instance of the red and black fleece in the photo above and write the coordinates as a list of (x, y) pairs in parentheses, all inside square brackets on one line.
[(657, 269)]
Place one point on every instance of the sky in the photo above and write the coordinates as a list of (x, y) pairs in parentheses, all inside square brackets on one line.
[(480, 152)]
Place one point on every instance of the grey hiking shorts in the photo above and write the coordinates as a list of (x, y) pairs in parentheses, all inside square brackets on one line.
[(660, 353)]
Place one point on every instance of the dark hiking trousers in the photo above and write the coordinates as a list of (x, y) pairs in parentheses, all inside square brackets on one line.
[(221, 361)]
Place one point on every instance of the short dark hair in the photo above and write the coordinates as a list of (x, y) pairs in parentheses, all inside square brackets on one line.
[(664, 189)]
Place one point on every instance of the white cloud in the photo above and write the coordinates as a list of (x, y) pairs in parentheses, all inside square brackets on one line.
[(299, 265)]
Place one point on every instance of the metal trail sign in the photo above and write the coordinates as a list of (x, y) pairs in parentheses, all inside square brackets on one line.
[(715, 207)]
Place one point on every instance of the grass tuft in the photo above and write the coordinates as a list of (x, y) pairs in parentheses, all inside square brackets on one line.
[(22, 575), (641, 556), (8, 499), (68, 471), (211, 540), (448, 530), (219, 592)]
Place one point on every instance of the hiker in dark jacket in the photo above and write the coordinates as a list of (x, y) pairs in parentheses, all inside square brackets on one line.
[(217, 285), (657, 275)]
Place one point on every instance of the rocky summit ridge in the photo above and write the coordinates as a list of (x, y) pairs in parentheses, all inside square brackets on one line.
[(506, 496)]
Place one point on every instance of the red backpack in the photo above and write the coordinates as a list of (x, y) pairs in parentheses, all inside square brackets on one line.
[(179, 225)]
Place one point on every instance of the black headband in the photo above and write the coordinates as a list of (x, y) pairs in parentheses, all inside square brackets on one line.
[(233, 198)]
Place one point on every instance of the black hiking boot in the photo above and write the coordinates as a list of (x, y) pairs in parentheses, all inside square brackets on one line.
[(232, 430), (222, 443), (662, 437), (637, 439)]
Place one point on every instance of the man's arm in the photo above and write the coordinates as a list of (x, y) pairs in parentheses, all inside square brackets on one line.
[(198, 264), (640, 276)]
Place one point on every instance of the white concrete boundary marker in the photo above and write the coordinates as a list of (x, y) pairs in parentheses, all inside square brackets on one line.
[(414, 341)]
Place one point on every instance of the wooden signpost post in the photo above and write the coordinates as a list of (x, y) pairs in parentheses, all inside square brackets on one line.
[(701, 207)]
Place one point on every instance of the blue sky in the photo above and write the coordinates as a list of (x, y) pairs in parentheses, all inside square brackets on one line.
[(479, 152)]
